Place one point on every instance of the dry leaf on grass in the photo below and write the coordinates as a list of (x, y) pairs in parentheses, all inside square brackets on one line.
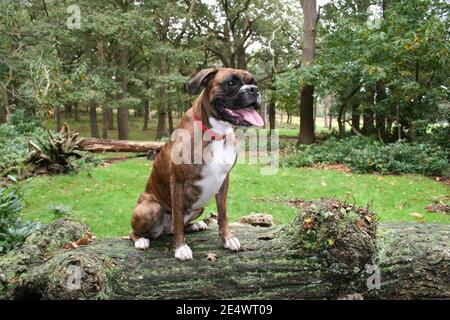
[(416, 215), (211, 257)]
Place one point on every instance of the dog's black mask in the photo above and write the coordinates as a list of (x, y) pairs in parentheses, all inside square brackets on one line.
[(235, 96), (232, 93)]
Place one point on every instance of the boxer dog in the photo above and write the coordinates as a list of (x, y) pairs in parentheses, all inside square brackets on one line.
[(176, 193)]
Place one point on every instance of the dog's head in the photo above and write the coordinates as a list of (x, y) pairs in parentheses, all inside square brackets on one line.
[(232, 95)]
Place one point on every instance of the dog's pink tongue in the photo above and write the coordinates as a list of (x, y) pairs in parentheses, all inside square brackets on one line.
[(251, 116)]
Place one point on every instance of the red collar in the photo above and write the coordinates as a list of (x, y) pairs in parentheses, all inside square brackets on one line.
[(213, 134)]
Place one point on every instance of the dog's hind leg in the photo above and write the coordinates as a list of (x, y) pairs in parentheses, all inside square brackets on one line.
[(147, 221), (195, 226)]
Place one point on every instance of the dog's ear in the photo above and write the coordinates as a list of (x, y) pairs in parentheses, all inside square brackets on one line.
[(201, 80)]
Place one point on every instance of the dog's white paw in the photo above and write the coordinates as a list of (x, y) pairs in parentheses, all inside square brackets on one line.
[(142, 244), (183, 253), (232, 244), (197, 226)]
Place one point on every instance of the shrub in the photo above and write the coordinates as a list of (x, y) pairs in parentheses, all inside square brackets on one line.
[(13, 230), (14, 147), (364, 155)]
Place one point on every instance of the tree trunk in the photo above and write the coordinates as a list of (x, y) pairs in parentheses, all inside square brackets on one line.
[(241, 62), (170, 118), (76, 112), (103, 107), (306, 135), (310, 17), (368, 118), (272, 114), (67, 110), (355, 115), (104, 121), (122, 111), (58, 118), (108, 145), (368, 114), (93, 120), (146, 114), (330, 251), (3, 106), (341, 120), (3, 113), (380, 119), (110, 118), (161, 130)]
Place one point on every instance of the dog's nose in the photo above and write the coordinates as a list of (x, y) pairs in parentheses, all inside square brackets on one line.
[(252, 88)]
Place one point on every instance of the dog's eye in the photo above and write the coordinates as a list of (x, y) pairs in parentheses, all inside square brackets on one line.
[(231, 83)]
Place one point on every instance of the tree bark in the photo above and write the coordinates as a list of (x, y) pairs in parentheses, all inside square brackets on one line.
[(76, 112), (58, 118), (368, 114), (67, 110), (3, 106), (146, 114), (108, 145), (93, 120), (310, 17), (341, 120), (306, 135), (380, 119), (101, 62), (327, 252), (3, 114), (122, 111), (272, 114), (161, 130), (104, 121), (355, 115), (170, 119), (110, 118)]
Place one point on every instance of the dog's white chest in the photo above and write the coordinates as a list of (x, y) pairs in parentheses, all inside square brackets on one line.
[(219, 158)]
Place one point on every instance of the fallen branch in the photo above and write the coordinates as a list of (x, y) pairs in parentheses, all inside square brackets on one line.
[(108, 145)]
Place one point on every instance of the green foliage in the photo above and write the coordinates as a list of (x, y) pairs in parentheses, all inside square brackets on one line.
[(13, 230), (369, 155), (59, 210), (29, 149), (14, 140)]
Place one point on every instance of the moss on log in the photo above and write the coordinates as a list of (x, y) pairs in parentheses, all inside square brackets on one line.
[(323, 254)]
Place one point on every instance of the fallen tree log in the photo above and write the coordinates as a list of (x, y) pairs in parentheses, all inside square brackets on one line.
[(108, 145), (324, 253)]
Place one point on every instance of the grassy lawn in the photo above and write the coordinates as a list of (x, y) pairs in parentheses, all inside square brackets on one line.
[(105, 198)]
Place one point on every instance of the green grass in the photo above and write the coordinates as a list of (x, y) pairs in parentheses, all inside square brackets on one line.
[(105, 199)]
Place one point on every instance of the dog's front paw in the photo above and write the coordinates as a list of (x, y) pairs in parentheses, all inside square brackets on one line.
[(142, 244), (232, 243), (183, 253)]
